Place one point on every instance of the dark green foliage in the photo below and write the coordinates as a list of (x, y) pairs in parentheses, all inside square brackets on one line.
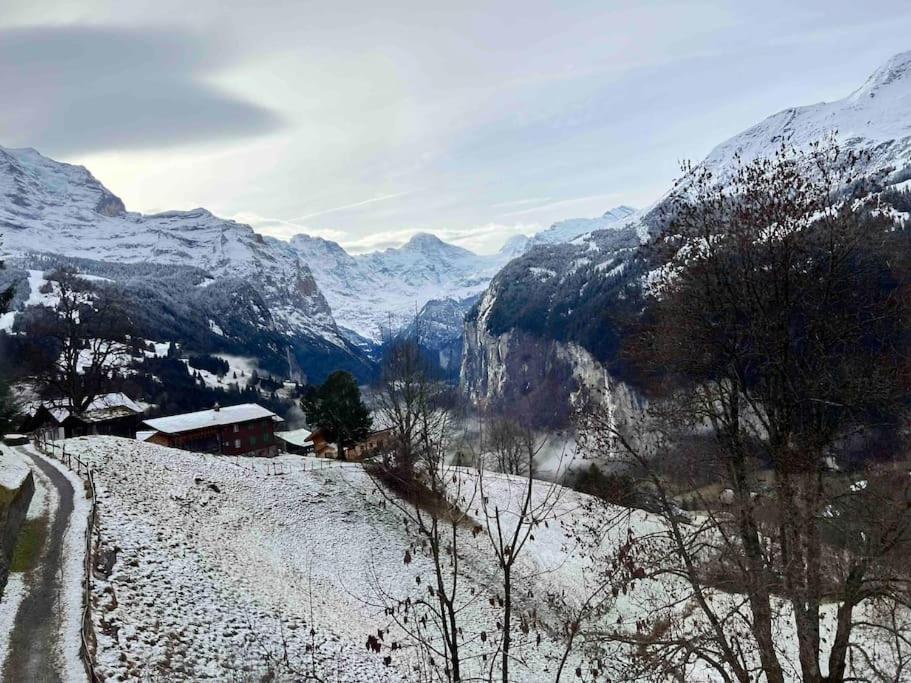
[(7, 405), (169, 384), (6, 293), (8, 409), (336, 407), (617, 489), (900, 200), (213, 364)]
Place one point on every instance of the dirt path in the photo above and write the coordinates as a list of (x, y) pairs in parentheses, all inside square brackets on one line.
[(33, 651)]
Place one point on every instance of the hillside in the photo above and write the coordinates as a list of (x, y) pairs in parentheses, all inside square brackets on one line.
[(214, 567)]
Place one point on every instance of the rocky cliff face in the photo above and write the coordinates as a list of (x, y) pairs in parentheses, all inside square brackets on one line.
[(542, 378)]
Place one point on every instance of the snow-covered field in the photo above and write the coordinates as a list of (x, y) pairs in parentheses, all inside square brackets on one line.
[(216, 568)]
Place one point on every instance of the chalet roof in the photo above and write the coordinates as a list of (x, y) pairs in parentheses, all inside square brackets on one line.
[(295, 437), (104, 407), (187, 422)]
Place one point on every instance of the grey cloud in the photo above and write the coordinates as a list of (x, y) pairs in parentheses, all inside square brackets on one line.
[(79, 88)]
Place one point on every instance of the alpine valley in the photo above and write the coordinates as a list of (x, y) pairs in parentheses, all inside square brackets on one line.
[(215, 285)]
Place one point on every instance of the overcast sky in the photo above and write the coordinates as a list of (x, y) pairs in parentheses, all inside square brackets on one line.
[(366, 121)]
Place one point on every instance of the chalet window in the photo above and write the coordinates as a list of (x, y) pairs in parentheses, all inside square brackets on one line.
[(236, 442), (236, 428)]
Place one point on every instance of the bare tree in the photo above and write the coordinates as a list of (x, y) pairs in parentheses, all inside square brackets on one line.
[(510, 521), (417, 479), (774, 343), (80, 343)]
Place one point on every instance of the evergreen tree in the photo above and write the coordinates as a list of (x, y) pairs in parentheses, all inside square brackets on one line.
[(336, 406)]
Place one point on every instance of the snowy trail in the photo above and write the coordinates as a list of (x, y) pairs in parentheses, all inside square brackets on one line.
[(35, 645)]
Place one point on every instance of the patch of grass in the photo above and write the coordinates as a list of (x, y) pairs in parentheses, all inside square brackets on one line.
[(32, 537)]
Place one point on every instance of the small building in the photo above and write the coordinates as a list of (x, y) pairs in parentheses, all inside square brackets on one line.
[(320, 444), (113, 414), (375, 443), (295, 441), (246, 429)]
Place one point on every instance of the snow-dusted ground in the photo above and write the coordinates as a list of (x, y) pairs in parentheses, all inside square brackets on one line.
[(220, 568)]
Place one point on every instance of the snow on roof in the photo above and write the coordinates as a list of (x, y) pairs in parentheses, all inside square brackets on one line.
[(244, 412), (295, 437), (101, 408), (145, 436)]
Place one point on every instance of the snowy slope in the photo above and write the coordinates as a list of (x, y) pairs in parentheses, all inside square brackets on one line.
[(48, 206), (216, 568), (876, 117), (568, 230), (211, 569)]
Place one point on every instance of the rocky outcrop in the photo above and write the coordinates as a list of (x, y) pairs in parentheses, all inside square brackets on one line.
[(519, 372)]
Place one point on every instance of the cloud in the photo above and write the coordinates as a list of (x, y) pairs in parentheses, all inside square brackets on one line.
[(345, 207), (77, 88), (564, 202)]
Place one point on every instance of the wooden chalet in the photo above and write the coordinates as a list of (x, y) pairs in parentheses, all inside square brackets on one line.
[(375, 443), (112, 414), (246, 429)]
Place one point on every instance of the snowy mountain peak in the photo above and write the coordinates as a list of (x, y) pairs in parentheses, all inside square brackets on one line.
[(30, 181), (428, 244), (568, 230), (618, 213), (897, 69), (875, 118), (515, 246)]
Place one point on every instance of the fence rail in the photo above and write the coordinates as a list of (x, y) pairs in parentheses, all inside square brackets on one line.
[(75, 464), (283, 468)]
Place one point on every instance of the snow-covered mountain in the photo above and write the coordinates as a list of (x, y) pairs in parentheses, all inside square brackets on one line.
[(560, 302), (568, 230), (49, 207), (875, 118), (374, 291)]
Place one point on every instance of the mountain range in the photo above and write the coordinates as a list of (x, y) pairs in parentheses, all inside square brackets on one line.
[(328, 307)]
